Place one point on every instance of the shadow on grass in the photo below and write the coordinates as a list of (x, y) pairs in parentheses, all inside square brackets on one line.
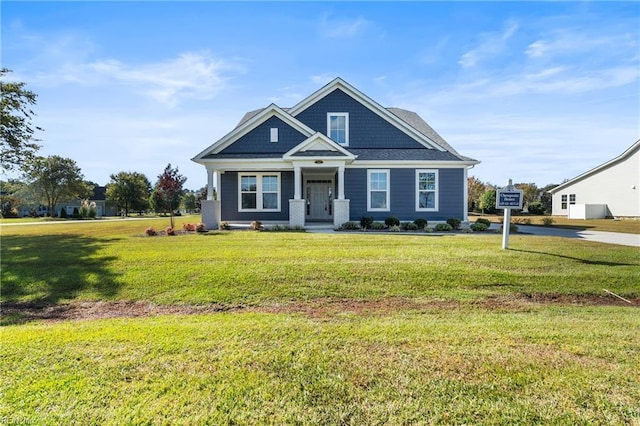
[(44, 270), (585, 261)]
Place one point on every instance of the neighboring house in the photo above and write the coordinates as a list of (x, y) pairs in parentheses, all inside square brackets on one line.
[(609, 190), (103, 207), (334, 157)]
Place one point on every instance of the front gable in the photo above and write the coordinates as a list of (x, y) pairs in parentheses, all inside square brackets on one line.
[(258, 139), (318, 147)]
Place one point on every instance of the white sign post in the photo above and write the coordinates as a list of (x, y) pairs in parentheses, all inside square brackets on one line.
[(508, 198)]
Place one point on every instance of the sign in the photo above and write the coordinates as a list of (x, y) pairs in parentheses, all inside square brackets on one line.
[(509, 199)]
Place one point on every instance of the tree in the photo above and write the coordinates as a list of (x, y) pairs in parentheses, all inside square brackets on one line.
[(169, 188), (11, 197), (488, 201), (530, 193), (546, 197), (475, 189), (54, 179), (17, 143), (130, 190), (188, 202)]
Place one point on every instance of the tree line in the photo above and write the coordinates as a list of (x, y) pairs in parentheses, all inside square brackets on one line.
[(481, 197)]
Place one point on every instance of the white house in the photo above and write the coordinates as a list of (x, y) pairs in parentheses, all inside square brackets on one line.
[(610, 190)]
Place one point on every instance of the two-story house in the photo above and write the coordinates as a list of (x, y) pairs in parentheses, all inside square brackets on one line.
[(335, 156)]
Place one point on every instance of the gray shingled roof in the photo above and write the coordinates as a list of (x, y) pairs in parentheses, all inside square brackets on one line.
[(415, 154)]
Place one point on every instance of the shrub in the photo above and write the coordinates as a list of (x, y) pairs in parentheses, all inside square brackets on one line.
[(378, 226), (200, 227), (523, 221), (454, 222), (286, 228), (365, 222), (170, 231), (421, 223), (512, 227), (224, 226), (394, 228), (409, 226), (484, 221), (478, 227), (536, 208), (392, 221), (189, 227), (548, 221), (255, 225), (150, 232), (443, 227), (63, 213), (76, 213), (350, 226)]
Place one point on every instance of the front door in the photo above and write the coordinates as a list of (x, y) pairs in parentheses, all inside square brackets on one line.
[(319, 200)]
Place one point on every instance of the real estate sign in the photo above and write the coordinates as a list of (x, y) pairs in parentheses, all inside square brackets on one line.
[(509, 199)]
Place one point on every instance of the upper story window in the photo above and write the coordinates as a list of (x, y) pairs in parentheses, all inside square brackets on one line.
[(338, 127), (274, 134), (572, 198)]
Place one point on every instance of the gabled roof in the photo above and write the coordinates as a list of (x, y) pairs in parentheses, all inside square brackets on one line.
[(339, 83), (626, 154), (317, 146), (255, 119)]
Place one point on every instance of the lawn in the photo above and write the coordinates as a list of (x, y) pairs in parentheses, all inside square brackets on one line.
[(316, 328), (630, 226)]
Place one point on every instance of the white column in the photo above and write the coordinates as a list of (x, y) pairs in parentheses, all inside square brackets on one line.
[(218, 183), (341, 182), (297, 183), (465, 202), (209, 184)]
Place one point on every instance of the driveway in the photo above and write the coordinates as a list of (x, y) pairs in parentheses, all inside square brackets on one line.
[(619, 238)]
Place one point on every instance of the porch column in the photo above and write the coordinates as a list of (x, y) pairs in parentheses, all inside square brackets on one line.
[(465, 203), (341, 182), (209, 184), (218, 184), (297, 183)]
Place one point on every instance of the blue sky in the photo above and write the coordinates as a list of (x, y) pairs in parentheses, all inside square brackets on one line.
[(537, 91)]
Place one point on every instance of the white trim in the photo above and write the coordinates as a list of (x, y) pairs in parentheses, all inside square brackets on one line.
[(399, 164), (388, 190), (259, 192), (346, 126), (339, 83), (436, 191), (273, 133), (320, 139)]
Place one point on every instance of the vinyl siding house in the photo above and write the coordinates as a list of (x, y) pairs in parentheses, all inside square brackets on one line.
[(611, 189), (334, 157)]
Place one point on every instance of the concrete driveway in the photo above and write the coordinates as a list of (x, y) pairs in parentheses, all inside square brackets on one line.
[(619, 238)]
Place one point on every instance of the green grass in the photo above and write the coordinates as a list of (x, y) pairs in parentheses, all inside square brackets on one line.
[(630, 226), (343, 329)]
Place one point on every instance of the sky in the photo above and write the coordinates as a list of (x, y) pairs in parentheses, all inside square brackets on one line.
[(538, 92)]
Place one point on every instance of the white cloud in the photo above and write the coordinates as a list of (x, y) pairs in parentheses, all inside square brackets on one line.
[(492, 44), (339, 27), (562, 43)]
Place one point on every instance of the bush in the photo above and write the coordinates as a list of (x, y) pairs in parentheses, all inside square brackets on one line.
[(523, 221), (170, 231), (150, 232), (548, 221), (350, 226), (536, 208), (479, 227), (63, 213), (443, 227), (200, 227), (365, 222), (484, 221), (421, 223), (189, 227), (76, 213), (512, 227), (392, 221), (255, 225), (394, 228), (224, 226), (286, 228), (378, 226), (409, 226), (454, 222)]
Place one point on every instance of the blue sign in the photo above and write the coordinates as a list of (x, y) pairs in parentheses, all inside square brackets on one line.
[(509, 199)]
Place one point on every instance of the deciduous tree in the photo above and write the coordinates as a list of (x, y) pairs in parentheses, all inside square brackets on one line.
[(54, 179), (17, 143), (475, 189), (130, 190), (169, 188)]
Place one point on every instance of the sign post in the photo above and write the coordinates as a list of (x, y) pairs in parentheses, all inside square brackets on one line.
[(508, 198)]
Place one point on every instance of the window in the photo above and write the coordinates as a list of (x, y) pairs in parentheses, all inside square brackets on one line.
[(564, 201), (572, 198), (338, 127), (378, 190), (274, 134), (426, 190), (259, 192)]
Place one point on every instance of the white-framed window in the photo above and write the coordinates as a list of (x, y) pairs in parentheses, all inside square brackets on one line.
[(274, 134), (563, 199), (259, 192), (572, 198), (378, 190), (338, 127), (427, 190)]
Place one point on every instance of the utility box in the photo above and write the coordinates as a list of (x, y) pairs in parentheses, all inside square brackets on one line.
[(587, 211)]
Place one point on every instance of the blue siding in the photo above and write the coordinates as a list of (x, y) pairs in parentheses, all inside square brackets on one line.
[(229, 197), (366, 129), (403, 198), (258, 139)]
